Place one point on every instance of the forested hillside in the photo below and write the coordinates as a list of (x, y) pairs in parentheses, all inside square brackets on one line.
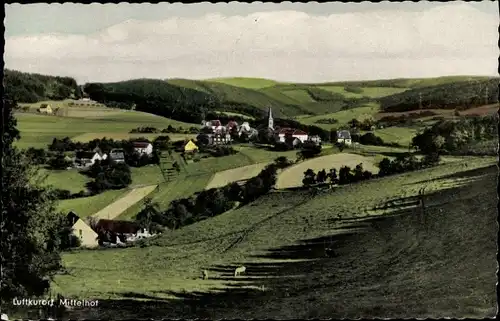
[(30, 88), (461, 95)]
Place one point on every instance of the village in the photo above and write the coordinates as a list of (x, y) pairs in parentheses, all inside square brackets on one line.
[(118, 233)]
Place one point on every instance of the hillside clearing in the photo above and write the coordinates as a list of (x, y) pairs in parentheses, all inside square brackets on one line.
[(116, 208), (428, 272), (292, 176), (223, 178), (85, 206), (39, 130)]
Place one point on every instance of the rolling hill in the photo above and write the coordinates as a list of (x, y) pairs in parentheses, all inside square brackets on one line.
[(388, 260)]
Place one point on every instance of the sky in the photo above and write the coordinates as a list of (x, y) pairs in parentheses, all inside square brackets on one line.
[(294, 42)]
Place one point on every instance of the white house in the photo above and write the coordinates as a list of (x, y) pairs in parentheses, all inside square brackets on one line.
[(298, 134), (87, 159), (80, 229), (344, 136), (315, 139), (143, 148)]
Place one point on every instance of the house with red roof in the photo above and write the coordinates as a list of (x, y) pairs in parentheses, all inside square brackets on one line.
[(290, 134), (143, 148)]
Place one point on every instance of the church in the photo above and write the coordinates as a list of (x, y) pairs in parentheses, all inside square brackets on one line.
[(281, 134)]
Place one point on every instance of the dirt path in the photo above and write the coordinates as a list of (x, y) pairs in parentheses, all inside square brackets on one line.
[(116, 208)]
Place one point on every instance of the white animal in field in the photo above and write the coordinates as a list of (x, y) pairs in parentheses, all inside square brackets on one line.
[(205, 274), (239, 270)]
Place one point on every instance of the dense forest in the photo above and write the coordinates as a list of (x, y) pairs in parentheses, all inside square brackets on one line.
[(30, 88), (460, 95)]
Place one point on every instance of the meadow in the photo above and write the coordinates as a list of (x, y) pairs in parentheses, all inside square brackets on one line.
[(292, 176), (116, 208), (86, 206), (39, 130), (395, 266)]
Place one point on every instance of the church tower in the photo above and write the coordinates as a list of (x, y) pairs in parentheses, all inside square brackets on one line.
[(270, 123)]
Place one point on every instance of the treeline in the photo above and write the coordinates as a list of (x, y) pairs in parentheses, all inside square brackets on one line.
[(30, 88), (406, 163), (404, 119), (209, 203), (401, 164), (449, 137), (346, 175), (460, 95), (170, 130)]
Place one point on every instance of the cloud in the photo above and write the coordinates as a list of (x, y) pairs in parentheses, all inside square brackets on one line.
[(283, 45)]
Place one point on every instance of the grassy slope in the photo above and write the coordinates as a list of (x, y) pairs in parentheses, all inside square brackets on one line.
[(252, 83), (397, 268), (86, 206), (39, 130)]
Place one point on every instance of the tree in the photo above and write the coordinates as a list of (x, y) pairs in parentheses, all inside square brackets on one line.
[(345, 175), (30, 226), (59, 162), (148, 213), (354, 123), (358, 173), (332, 175), (321, 177), (309, 177), (385, 167), (282, 162)]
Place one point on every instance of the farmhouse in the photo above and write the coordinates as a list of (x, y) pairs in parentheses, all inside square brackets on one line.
[(143, 148), (190, 147), (130, 231), (296, 135), (344, 136), (213, 124), (80, 229), (87, 159), (315, 139), (45, 109), (117, 155)]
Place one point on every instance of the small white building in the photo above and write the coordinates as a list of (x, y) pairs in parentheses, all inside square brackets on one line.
[(117, 155), (315, 139), (344, 136), (87, 236), (87, 159), (143, 148)]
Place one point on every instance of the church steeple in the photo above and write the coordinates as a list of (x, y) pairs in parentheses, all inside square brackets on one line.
[(270, 123)]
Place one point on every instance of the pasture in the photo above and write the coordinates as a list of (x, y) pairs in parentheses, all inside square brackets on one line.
[(292, 176), (70, 180), (372, 92), (86, 206), (251, 83), (394, 266), (39, 130), (343, 117), (119, 206), (223, 178)]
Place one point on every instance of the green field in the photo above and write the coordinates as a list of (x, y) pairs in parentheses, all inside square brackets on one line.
[(372, 92), (343, 116), (85, 206), (252, 83), (391, 267), (70, 180), (39, 130)]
